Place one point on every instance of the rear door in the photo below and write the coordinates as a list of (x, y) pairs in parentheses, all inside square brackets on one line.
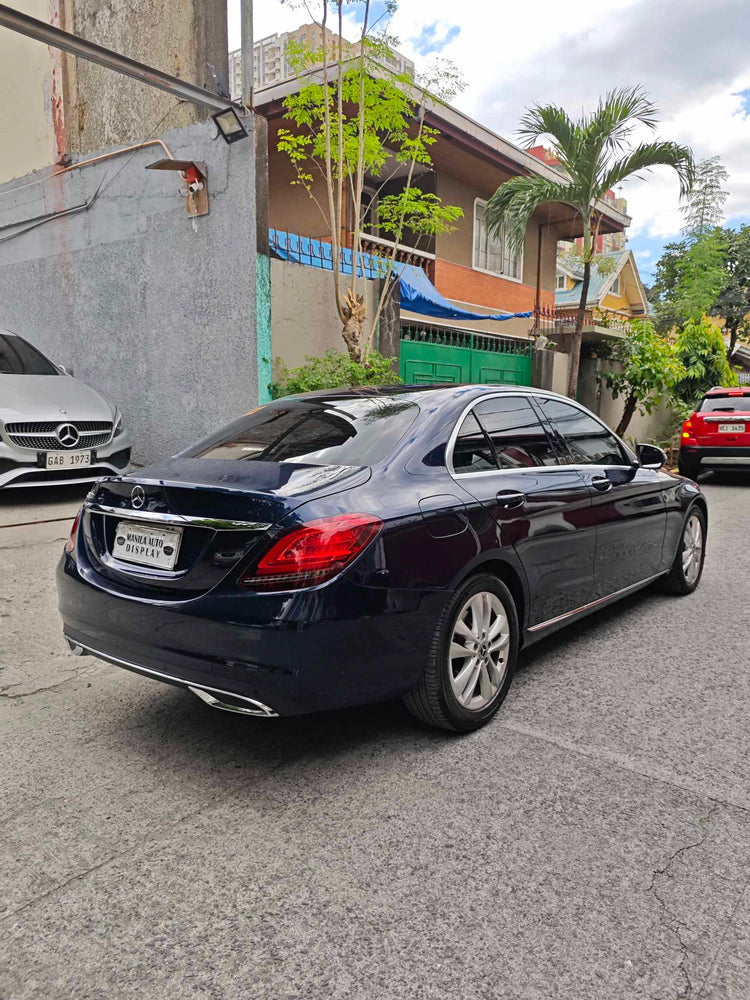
[(722, 424), (628, 501), (506, 460)]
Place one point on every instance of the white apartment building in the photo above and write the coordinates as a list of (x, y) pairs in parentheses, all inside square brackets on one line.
[(270, 64)]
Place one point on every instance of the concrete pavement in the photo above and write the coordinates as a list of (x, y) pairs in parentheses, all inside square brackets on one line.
[(592, 843)]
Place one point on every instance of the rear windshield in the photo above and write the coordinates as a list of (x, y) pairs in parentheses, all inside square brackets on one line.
[(725, 404), (317, 432), (19, 358)]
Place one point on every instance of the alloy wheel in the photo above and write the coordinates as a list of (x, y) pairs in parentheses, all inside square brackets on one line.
[(692, 549), (478, 653)]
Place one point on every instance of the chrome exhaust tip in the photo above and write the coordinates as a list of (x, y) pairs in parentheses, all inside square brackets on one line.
[(75, 649), (256, 708)]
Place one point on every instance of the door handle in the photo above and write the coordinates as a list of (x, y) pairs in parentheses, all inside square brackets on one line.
[(511, 498), (601, 483)]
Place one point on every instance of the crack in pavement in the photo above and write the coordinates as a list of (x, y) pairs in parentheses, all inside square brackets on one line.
[(720, 945), (602, 755), (76, 673), (112, 857), (674, 923)]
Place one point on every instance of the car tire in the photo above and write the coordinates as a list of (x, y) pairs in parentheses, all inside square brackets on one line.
[(480, 616), (689, 469), (681, 580)]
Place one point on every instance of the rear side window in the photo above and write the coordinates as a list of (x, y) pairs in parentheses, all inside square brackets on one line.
[(314, 432), (725, 404), (516, 432), (589, 442), (19, 358), (472, 451)]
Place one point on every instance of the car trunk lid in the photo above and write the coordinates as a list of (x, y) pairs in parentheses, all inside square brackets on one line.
[(211, 513)]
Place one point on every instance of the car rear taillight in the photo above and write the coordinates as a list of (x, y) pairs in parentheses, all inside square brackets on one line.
[(313, 553), (71, 542), (688, 431)]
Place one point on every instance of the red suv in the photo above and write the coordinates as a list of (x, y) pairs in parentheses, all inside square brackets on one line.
[(717, 436)]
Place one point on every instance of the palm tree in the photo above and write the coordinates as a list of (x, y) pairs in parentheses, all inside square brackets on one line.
[(592, 154)]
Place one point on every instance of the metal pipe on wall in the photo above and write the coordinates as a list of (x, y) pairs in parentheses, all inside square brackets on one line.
[(246, 52)]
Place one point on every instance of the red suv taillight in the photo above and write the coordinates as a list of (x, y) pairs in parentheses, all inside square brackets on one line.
[(313, 553), (688, 432), (71, 542)]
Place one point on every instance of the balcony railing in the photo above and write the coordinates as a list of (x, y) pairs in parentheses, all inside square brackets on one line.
[(373, 261), (379, 247), (550, 321)]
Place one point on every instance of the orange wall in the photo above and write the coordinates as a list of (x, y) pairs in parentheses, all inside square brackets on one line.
[(464, 284)]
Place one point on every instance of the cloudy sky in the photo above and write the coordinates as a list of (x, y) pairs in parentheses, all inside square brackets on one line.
[(692, 57)]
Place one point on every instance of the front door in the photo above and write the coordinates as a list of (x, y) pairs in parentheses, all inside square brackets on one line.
[(505, 459), (628, 501)]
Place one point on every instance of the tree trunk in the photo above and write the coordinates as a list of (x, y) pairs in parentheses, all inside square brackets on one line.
[(354, 311), (575, 352), (732, 341), (627, 415)]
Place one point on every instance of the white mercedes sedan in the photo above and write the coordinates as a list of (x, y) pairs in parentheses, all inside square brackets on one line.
[(54, 429)]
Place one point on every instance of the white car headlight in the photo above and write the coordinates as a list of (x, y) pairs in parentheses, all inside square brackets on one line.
[(119, 425)]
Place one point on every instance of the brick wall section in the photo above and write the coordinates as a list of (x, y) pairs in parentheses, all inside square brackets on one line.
[(464, 284)]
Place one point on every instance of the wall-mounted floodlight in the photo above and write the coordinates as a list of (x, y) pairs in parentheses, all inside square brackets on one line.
[(229, 124)]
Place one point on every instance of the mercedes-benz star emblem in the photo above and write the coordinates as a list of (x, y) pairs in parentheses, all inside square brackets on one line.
[(137, 497), (67, 435)]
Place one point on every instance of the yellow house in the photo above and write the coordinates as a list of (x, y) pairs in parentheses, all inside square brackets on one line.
[(613, 298)]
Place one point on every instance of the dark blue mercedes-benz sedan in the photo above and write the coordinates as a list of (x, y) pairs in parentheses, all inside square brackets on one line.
[(347, 546)]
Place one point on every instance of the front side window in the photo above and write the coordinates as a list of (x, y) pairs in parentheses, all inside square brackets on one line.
[(589, 442), (314, 432), (517, 435), (19, 358), (491, 254)]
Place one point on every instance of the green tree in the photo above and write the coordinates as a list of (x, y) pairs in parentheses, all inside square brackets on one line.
[(700, 349), (690, 275), (704, 206), (648, 368), (363, 122), (733, 303), (593, 155)]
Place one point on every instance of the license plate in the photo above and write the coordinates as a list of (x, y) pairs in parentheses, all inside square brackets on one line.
[(68, 459), (147, 546), (731, 428)]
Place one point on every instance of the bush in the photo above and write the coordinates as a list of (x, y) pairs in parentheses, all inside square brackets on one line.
[(334, 370)]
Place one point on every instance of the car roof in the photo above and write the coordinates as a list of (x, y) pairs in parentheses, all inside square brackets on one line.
[(436, 390), (727, 390)]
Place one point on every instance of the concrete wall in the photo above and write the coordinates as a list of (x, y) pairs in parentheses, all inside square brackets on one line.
[(53, 104), (550, 371), (30, 83), (176, 36), (658, 426), (156, 313), (304, 319)]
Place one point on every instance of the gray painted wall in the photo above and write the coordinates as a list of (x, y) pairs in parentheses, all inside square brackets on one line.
[(154, 312)]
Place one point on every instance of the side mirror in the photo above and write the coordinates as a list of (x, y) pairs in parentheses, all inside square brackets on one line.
[(650, 456)]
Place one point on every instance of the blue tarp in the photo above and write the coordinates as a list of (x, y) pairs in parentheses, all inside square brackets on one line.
[(418, 294)]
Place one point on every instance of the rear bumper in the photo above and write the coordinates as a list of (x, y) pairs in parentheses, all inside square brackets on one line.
[(716, 457), (339, 646)]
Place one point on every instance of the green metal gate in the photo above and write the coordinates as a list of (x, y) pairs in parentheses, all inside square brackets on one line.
[(441, 354)]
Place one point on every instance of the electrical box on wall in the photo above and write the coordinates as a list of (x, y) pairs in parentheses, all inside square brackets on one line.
[(194, 180)]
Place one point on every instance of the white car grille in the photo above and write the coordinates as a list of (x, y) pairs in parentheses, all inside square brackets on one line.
[(42, 435)]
